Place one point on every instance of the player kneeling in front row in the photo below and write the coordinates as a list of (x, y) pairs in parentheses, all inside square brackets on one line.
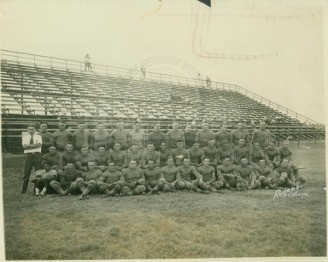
[(246, 177), (43, 178), (226, 174), (152, 176), (208, 173), (134, 180), (287, 174), (67, 181), (190, 178), (88, 181), (111, 181), (264, 174), (170, 176)]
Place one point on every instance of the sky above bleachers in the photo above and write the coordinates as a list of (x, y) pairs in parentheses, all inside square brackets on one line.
[(282, 41)]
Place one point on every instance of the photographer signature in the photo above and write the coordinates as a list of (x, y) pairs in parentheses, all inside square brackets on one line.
[(290, 193)]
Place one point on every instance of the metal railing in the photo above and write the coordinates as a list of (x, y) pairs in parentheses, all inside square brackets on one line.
[(79, 66)]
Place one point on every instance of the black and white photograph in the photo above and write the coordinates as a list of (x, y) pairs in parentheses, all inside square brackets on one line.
[(163, 129)]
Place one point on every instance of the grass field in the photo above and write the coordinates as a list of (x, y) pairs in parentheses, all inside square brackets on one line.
[(175, 225)]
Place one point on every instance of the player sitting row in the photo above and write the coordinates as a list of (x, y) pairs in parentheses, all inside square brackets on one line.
[(137, 181), (271, 155)]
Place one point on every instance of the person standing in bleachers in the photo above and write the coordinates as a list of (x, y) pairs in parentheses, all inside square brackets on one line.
[(143, 71), (81, 137), (62, 137), (47, 139), (32, 144), (87, 63), (100, 137), (208, 81)]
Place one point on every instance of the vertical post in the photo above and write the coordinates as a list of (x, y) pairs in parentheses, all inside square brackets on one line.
[(278, 135)]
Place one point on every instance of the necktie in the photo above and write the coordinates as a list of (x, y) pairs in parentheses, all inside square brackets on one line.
[(31, 141)]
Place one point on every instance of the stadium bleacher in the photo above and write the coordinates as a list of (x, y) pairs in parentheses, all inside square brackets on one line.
[(31, 92)]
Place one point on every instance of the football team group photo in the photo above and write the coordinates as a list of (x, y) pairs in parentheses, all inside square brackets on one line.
[(163, 129)]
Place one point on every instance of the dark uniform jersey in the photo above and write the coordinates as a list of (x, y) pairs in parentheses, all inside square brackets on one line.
[(137, 156), (163, 155), (120, 136), (80, 139), (132, 175), (170, 174), (53, 160), (156, 138), (245, 171), (241, 152), (204, 136), (173, 137), (69, 176), (188, 173), (47, 141), (100, 138), (62, 138), (152, 174), (179, 154), (118, 158), (262, 137), (224, 152), (211, 153), (221, 136), (101, 158), (111, 177), (285, 153), (238, 134), (67, 158), (91, 175), (256, 155), (196, 156), (272, 155), (207, 172), (190, 138), (84, 159), (264, 171), (151, 156)]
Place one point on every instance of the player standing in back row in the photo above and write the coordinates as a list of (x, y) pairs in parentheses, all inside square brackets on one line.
[(121, 136), (204, 135), (261, 136), (173, 136), (239, 133)]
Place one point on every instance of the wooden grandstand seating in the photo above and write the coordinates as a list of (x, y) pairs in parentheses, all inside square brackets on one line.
[(51, 93)]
